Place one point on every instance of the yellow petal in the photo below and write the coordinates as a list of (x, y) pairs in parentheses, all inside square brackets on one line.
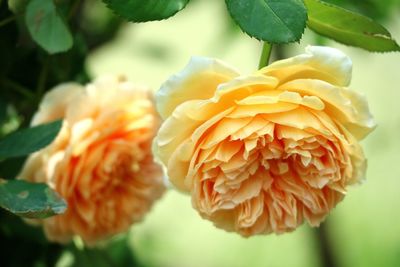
[(246, 85), (172, 147), (198, 80), (177, 171), (227, 149), (345, 105), (324, 63), (359, 101), (272, 97), (253, 110), (258, 125), (286, 132), (223, 129), (299, 118)]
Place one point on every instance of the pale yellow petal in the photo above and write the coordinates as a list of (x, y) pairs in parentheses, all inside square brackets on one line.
[(348, 106), (359, 101), (265, 97), (198, 80), (253, 110), (223, 129), (299, 118), (244, 86), (325, 63)]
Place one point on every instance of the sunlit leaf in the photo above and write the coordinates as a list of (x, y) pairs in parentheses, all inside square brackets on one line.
[(275, 21), (348, 27), (47, 27), (28, 140), (141, 11), (30, 200)]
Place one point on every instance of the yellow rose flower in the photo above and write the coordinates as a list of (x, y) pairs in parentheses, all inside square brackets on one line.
[(262, 153), (101, 161)]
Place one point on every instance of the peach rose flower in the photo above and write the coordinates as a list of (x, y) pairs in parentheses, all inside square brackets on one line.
[(262, 153), (101, 161)]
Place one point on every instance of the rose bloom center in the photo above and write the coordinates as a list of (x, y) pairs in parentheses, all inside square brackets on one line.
[(270, 174)]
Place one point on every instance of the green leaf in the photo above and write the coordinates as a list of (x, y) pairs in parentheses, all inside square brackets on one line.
[(29, 140), (274, 21), (142, 11), (47, 27), (348, 27), (30, 200)]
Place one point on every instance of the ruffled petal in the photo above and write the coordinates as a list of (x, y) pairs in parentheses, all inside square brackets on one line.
[(55, 103), (264, 152), (198, 80), (347, 106), (325, 63)]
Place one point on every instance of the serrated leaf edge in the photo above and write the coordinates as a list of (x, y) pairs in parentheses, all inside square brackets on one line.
[(106, 2), (262, 40)]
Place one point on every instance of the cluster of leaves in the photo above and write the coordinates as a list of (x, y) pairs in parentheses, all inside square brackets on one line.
[(278, 22), (43, 43), (26, 72), (24, 245), (32, 200)]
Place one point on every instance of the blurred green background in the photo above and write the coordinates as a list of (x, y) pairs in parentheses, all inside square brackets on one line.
[(364, 229)]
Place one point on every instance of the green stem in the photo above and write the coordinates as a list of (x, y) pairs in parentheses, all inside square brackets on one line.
[(7, 20), (326, 247), (265, 55)]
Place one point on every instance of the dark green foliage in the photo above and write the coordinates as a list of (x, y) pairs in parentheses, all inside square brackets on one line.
[(377, 9), (274, 21), (9, 168), (142, 11), (30, 200), (349, 28), (26, 141), (25, 245)]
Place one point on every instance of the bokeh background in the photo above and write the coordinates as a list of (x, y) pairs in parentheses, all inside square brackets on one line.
[(364, 230)]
